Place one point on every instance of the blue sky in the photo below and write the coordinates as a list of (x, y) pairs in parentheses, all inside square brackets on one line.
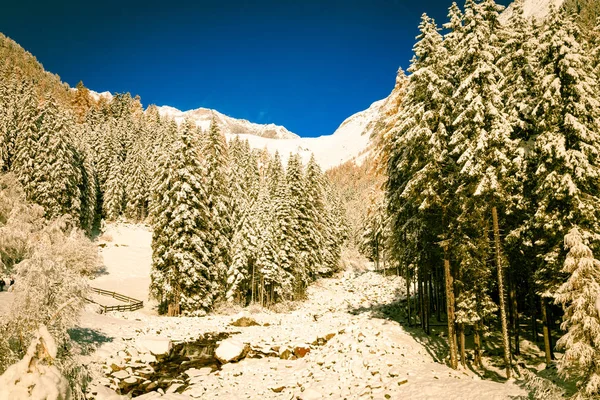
[(304, 64)]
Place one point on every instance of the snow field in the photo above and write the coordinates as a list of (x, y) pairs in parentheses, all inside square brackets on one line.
[(365, 357)]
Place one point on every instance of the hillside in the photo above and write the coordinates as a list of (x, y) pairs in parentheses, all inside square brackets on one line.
[(537, 9), (228, 125)]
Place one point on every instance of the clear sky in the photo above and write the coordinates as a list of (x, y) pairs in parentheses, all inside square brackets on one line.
[(304, 64)]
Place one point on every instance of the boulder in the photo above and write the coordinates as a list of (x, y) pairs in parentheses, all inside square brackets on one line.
[(285, 353), (121, 374), (231, 350), (244, 322), (155, 345), (301, 350)]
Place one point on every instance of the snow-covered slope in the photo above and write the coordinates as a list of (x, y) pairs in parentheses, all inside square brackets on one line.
[(348, 142), (351, 141), (228, 125), (537, 9), (96, 96)]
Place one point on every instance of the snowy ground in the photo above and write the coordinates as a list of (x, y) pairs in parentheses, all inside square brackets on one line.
[(5, 302), (367, 355), (127, 257)]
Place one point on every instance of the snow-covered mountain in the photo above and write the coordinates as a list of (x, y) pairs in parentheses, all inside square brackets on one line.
[(350, 141), (228, 125), (537, 9)]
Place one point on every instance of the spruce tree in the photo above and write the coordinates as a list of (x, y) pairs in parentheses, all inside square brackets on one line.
[(219, 202), (136, 185), (580, 295), (57, 175), (183, 276), (566, 184)]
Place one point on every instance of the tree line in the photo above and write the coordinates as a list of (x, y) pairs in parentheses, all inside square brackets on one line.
[(492, 194), (229, 222)]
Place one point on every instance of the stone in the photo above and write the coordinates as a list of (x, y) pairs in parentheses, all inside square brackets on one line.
[(155, 345), (285, 353), (173, 388), (147, 358), (122, 374), (244, 322), (301, 350), (277, 388), (231, 350), (131, 380)]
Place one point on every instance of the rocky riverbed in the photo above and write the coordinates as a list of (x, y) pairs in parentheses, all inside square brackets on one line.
[(344, 341)]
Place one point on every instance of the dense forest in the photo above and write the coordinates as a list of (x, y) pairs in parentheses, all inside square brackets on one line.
[(491, 195), (230, 223)]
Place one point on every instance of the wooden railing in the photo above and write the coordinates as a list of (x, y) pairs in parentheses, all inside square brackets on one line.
[(132, 304)]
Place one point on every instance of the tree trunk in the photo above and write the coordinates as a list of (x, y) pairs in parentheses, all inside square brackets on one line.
[(477, 340), (438, 297), (450, 309), (408, 294), (533, 309), (515, 315), (426, 305), (505, 340), (461, 335), (252, 285), (547, 345), (421, 299)]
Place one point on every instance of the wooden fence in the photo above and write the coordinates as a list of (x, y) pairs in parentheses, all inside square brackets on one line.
[(132, 304)]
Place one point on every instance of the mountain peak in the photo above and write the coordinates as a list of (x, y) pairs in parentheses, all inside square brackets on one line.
[(537, 9), (229, 125)]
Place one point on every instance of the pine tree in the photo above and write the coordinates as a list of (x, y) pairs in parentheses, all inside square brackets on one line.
[(113, 200), (219, 202), (136, 185), (580, 296), (566, 189), (57, 176), (315, 217), (27, 118), (182, 272)]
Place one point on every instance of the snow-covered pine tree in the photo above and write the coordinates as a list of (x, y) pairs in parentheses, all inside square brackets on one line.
[(420, 170), (219, 202), (247, 234), (183, 275), (56, 177), (481, 136), (136, 182), (519, 90), (336, 229), (113, 198), (314, 193), (26, 124), (88, 186), (9, 100), (286, 234), (580, 296), (274, 173), (302, 262), (567, 114)]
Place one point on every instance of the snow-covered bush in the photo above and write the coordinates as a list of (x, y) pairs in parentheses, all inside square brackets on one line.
[(35, 376), (18, 221), (51, 261)]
